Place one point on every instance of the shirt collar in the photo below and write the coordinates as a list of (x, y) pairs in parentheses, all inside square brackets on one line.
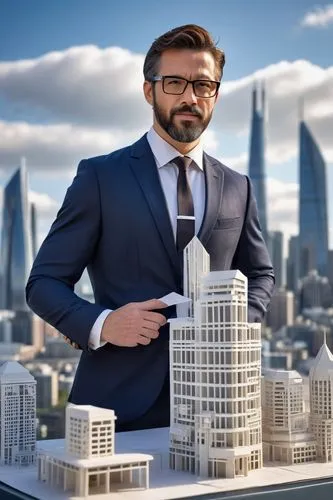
[(164, 153)]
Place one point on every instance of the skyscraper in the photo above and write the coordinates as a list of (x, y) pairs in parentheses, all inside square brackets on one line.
[(257, 158), (33, 230), (313, 237), (293, 264), (277, 257), (16, 243), (215, 369)]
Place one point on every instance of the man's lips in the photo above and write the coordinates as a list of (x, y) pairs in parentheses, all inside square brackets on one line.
[(187, 115)]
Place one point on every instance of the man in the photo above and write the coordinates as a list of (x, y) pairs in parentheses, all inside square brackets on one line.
[(120, 219)]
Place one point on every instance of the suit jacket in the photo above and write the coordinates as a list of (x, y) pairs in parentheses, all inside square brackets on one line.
[(114, 221)]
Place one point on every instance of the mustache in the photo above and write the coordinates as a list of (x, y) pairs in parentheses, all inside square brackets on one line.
[(187, 109)]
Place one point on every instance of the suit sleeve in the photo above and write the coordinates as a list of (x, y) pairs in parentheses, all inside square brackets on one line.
[(253, 260), (62, 258)]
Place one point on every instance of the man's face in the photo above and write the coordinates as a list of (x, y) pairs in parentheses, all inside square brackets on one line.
[(183, 117)]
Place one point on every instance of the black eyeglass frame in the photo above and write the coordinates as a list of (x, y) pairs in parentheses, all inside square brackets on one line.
[(161, 78)]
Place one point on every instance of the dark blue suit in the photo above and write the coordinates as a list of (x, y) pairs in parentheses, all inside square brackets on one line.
[(114, 221)]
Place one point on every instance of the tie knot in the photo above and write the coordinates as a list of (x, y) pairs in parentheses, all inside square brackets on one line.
[(183, 161)]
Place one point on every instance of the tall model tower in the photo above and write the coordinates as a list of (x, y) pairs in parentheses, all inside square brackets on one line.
[(257, 157), (215, 367), (321, 403), (313, 232)]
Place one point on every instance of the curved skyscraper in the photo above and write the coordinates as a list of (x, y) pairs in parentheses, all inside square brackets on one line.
[(257, 158), (16, 243), (313, 236)]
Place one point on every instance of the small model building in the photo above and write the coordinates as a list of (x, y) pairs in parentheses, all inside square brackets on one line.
[(286, 439), (321, 403), (17, 415), (89, 465), (215, 374)]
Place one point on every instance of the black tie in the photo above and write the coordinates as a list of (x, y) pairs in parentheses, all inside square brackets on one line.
[(185, 218)]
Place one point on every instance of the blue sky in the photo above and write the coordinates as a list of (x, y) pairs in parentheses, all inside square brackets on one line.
[(43, 117)]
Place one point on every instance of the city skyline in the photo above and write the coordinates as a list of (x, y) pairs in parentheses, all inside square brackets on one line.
[(82, 91)]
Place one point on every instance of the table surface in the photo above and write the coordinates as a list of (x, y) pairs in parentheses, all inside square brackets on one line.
[(287, 482)]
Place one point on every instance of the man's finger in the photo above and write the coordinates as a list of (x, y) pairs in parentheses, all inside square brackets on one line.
[(151, 325), (155, 318), (141, 339), (151, 334), (151, 304)]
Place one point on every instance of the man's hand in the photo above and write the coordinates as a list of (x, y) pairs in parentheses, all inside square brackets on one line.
[(134, 324)]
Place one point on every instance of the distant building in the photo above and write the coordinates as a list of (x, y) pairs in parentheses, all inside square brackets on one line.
[(47, 386), (293, 264), (281, 310), (257, 158), (276, 246), (330, 267), (321, 403), (33, 213), (277, 360), (315, 292), (17, 415), (89, 465), (313, 221), (215, 362), (286, 439), (16, 256), (16, 243)]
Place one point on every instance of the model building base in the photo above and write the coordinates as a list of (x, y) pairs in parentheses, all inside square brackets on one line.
[(164, 483)]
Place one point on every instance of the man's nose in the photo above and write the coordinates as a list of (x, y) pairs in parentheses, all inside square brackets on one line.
[(189, 95)]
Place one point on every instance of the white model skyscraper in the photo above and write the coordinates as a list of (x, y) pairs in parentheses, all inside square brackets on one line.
[(286, 439), (321, 403), (215, 369), (17, 415)]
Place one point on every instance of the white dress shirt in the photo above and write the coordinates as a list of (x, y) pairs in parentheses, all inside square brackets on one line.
[(164, 153)]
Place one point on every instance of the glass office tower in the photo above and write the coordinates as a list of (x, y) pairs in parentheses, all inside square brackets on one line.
[(313, 236), (257, 158), (16, 243)]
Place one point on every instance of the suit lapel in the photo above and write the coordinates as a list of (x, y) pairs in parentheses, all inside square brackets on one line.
[(214, 177), (144, 168)]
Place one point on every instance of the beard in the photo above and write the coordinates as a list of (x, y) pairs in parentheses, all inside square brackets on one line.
[(186, 130)]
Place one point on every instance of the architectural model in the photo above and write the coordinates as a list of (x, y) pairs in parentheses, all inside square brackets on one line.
[(286, 438), (88, 464), (17, 415), (215, 375), (321, 403)]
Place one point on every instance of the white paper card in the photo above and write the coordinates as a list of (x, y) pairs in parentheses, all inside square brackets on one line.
[(174, 298)]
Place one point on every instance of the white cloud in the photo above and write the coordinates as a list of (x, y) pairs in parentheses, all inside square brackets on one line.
[(95, 96), (318, 17), (239, 163), (56, 147), (83, 84), (45, 205)]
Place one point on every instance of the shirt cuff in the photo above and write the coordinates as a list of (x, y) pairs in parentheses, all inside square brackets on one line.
[(95, 333)]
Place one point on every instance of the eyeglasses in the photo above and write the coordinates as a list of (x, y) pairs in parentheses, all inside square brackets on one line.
[(176, 85)]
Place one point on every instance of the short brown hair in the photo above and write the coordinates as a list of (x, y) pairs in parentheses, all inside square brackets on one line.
[(189, 36)]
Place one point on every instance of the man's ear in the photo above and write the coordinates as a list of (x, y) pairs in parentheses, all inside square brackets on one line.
[(148, 92)]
